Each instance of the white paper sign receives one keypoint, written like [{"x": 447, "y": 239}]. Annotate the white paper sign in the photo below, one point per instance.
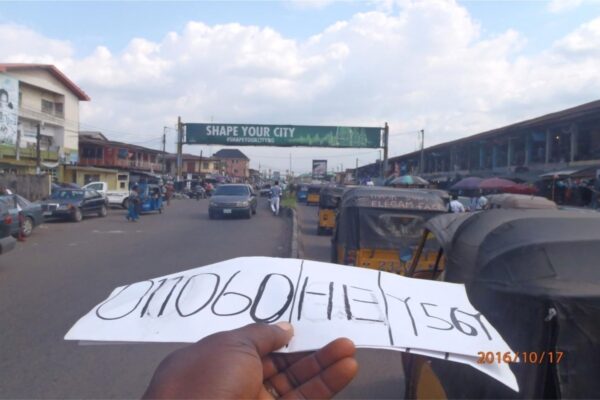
[{"x": 322, "y": 301}]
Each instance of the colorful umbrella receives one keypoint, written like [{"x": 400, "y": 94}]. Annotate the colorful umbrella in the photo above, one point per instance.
[
  {"x": 521, "y": 188},
  {"x": 408, "y": 180},
  {"x": 495, "y": 184},
  {"x": 469, "y": 183}
]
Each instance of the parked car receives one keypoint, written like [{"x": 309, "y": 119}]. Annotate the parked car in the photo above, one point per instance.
[
  {"x": 74, "y": 204},
  {"x": 7, "y": 242},
  {"x": 232, "y": 199},
  {"x": 31, "y": 212},
  {"x": 115, "y": 198}
]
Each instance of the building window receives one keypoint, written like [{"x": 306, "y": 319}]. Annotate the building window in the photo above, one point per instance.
[
  {"x": 235, "y": 171},
  {"x": 47, "y": 106},
  {"x": 59, "y": 109},
  {"x": 205, "y": 164}
]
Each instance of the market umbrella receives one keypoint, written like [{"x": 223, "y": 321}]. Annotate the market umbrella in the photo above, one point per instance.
[
  {"x": 469, "y": 183},
  {"x": 521, "y": 188},
  {"x": 496, "y": 184},
  {"x": 408, "y": 180}
]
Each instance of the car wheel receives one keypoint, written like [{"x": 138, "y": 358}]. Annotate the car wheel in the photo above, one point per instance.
[
  {"x": 77, "y": 215},
  {"x": 27, "y": 227},
  {"x": 103, "y": 211},
  {"x": 211, "y": 215},
  {"x": 125, "y": 204}
]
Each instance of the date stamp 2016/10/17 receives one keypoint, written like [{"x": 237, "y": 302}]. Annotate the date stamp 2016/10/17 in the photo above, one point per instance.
[{"x": 527, "y": 357}]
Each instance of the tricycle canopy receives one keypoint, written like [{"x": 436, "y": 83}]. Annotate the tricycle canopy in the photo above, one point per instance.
[
  {"x": 330, "y": 196},
  {"x": 535, "y": 275},
  {"x": 385, "y": 218}
]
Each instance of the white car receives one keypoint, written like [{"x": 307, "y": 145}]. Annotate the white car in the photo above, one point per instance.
[{"x": 115, "y": 198}]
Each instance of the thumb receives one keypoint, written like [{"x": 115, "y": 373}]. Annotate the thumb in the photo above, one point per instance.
[{"x": 266, "y": 338}]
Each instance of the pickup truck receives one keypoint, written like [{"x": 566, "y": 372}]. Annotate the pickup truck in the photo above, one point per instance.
[{"x": 114, "y": 197}]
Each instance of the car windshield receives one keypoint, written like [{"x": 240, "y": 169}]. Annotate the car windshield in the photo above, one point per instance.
[
  {"x": 67, "y": 194},
  {"x": 231, "y": 191}
]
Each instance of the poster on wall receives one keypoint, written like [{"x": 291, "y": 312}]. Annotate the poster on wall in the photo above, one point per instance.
[
  {"x": 9, "y": 109},
  {"x": 319, "y": 169}
]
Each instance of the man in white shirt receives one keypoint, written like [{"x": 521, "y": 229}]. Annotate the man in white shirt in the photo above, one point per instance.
[
  {"x": 275, "y": 197},
  {"x": 482, "y": 201},
  {"x": 456, "y": 206}
]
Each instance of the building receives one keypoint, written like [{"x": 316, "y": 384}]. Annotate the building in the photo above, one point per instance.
[
  {"x": 235, "y": 164},
  {"x": 95, "y": 150},
  {"x": 39, "y": 109},
  {"x": 198, "y": 167},
  {"x": 566, "y": 141}
]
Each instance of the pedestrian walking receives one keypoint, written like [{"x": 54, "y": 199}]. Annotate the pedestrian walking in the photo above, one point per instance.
[
  {"x": 456, "y": 206},
  {"x": 169, "y": 193},
  {"x": 132, "y": 204},
  {"x": 275, "y": 197}
]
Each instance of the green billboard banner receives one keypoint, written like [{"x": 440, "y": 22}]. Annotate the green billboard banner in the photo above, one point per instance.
[{"x": 281, "y": 135}]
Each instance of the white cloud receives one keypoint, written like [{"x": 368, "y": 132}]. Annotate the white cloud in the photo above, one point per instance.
[
  {"x": 558, "y": 6},
  {"x": 425, "y": 65}
]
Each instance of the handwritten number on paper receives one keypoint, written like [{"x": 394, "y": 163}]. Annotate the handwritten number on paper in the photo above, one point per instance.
[
  {"x": 260, "y": 293},
  {"x": 223, "y": 294},
  {"x": 207, "y": 302}
]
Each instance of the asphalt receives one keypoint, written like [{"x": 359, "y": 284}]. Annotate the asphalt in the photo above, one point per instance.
[
  {"x": 64, "y": 269},
  {"x": 381, "y": 373}
]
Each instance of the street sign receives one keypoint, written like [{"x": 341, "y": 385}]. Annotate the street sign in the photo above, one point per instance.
[{"x": 282, "y": 135}]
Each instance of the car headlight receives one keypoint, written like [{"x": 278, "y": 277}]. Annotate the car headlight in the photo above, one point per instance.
[
  {"x": 212, "y": 204},
  {"x": 242, "y": 204},
  {"x": 64, "y": 206}
]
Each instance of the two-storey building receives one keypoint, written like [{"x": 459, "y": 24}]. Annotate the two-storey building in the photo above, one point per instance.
[
  {"x": 39, "y": 118},
  {"x": 96, "y": 151},
  {"x": 236, "y": 165},
  {"x": 196, "y": 166}
]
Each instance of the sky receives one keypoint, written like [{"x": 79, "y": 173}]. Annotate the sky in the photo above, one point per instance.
[{"x": 452, "y": 68}]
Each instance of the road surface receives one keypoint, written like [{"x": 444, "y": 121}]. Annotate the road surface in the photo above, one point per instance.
[{"x": 65, "y": 269}]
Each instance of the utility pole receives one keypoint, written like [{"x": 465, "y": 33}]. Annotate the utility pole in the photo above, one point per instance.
[
  {"x": 179, "y": 149},
  {"x": 164, "y": 151},
  {"x": 422, "y": 162},
  {"x": 200, "y": 169},
  {"x": 356, "y": 171},
  {"x": 386, "y": 135},
  {"x": 38, "y": 154},
  {"x": 291, "y": 174},
  {"x": 18, "y": 143}
]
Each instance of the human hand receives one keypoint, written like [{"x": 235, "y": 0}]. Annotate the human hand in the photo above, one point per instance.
[{"x": 241, "y": 364}]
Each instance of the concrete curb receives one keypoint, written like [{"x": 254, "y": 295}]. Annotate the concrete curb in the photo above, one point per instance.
[{"x": 295, "y": 234}]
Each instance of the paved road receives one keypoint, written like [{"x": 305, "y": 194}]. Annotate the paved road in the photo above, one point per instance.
[
  {"x": 381, "y": 375},
  {"x": 65, "y": 269}
]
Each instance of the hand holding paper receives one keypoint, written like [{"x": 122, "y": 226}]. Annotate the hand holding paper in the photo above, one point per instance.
[
  {"x": 239, "y": 364},
  {"x": 323, "y": 301}
]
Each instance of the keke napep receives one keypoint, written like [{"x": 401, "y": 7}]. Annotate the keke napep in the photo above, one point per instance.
[
  {"x": 379, "y": 227},
  {"x": 534, "y": 275},
  {"x": 329, "y": 200}
]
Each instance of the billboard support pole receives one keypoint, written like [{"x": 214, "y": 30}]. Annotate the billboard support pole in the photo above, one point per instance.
[
  {"x": 386, "y": 134},
  {"x": 179, "y": 149}
]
